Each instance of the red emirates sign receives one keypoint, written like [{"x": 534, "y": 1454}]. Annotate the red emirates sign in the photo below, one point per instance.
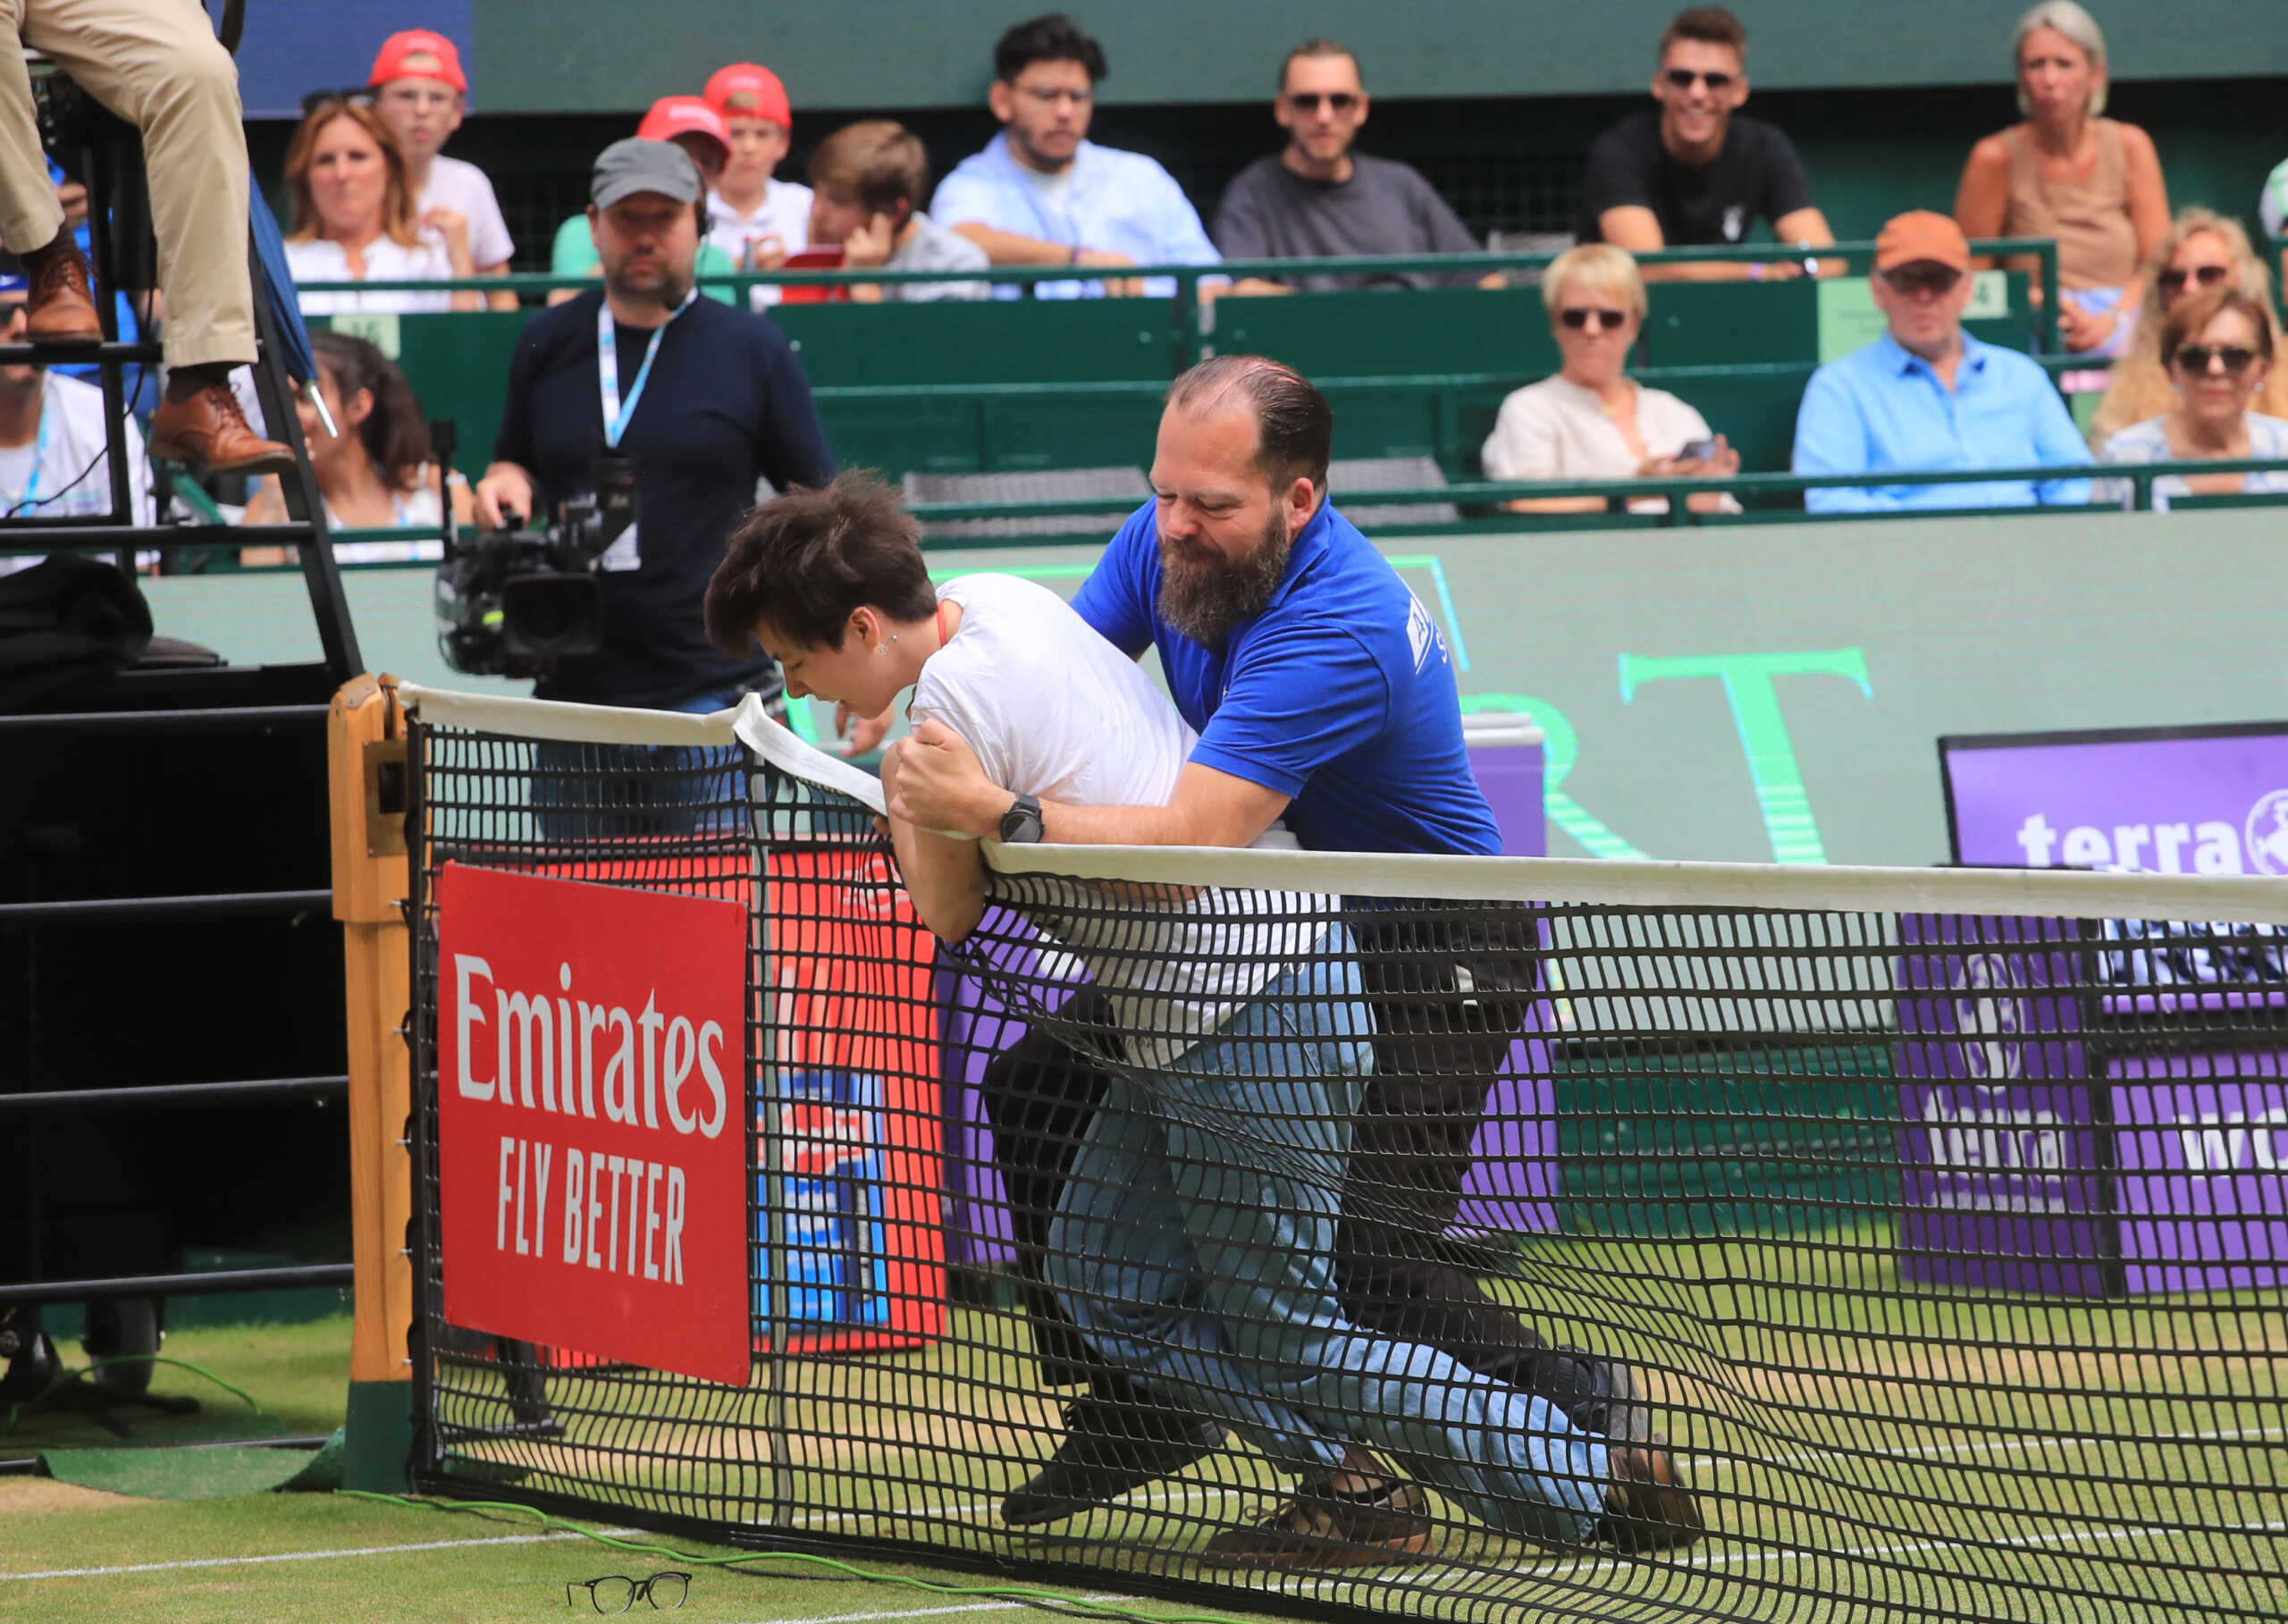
[{"x": 591, "y": 1119}]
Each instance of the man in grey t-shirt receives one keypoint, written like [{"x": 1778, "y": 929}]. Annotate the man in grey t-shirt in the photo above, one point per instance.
[
  {"x": 1318, "y": 198},
  {"x": 868, "y": 180}
]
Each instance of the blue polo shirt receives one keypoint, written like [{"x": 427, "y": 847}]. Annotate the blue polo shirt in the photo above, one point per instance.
[
  {"x": 1339, "y": 694},
  {"x": 1882, "y": 406}
]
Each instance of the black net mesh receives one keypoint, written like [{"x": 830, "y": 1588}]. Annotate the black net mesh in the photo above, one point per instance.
[{"x": 1313, "y": 1253}]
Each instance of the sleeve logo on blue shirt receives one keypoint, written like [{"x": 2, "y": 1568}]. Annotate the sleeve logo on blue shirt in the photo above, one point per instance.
[{"x": 1423, "y": 633}]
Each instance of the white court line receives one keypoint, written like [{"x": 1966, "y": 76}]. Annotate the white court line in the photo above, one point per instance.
[
  {"x": 1716, "y": 1463},
  {"x": 301, "y": 1556},
  {"x": 933, "y": 1613}
]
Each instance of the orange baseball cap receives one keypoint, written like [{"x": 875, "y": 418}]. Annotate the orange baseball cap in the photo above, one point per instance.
[
  {"x": 417, "y": 42},
  {"x": 1921, "y": 235},
  {"x": 674, "y": 115},
  {"x": 750, "y": 79}
]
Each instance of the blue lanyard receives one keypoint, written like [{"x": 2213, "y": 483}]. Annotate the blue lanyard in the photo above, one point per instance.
[
  {"x": 28, "y": 497},
  {"x": 617, "y": 412}
]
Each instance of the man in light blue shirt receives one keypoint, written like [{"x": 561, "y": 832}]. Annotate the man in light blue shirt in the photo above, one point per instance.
[
  {"x": 1927, "y": 395},
  {"x": 1042, "y": 194}
]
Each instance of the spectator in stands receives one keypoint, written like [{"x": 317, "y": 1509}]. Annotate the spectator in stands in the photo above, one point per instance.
[
  {"x": 2219, "y": 345},
  {"x": 1695, "y": 172},
  {"x": 757, "y": 219},
  {"x": 1041, "y": 193},
  {"x": 376, "y": 473},
  {"x": 687, "y": 121},
  {"x": 1926, "y": 395},
  {"x": 870, "y": 178},
  {"x": 1592, "y": 421},
  {"x": 2203, "y": 249},
  {"x": 420, "y": 90},
  {"x": 353, "y": 217},
  {"x": 54, "y": 455},
  {"x": 1318, "y": 198},
  {"x": 2092, "y": 183}
]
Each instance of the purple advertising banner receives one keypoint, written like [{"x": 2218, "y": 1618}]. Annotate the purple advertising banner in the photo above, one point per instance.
[
  {"x": 2201, "y": 802},
  {"x": 2203, "y": 1151},
  {"x": 2002, "y": 1186}
]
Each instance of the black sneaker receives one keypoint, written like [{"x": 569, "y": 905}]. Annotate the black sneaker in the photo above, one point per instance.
[
  {"x": 1108, "y": 1450},
  {"x": 1648, "y": 1504}
]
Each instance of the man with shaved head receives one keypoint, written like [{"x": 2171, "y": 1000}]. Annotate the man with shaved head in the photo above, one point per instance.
[{"x": 1323, "y": 697}]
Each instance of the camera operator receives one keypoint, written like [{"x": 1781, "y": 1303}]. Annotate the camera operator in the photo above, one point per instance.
[{"x": 700, "y": 396}]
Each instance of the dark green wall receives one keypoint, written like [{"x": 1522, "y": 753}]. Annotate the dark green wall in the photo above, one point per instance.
[{"x": 588, "y": 56}]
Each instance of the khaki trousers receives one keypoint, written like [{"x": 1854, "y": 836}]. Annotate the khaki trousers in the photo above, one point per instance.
[{"x": 158, "y": 64}]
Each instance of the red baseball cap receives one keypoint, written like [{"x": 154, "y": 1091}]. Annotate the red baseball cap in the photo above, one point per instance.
[
  {"x": 750, "y": 79},
  {"x": 415, "y": 42},
  {"x": 674, "y": 115}
]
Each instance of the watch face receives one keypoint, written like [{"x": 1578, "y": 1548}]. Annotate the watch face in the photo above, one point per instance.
[{"x": 1021, "y": 823}]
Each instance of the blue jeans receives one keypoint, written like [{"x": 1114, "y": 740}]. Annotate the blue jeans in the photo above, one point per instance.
[
  {"x": 1194, "y": 1247},
  {"x": 614, "y": 791}
]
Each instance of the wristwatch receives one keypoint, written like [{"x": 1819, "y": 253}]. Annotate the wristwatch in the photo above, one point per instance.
[{"x": 1021, "y": 824}]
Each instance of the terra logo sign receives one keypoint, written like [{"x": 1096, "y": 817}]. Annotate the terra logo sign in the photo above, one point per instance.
[{"x": 2267, "y": 833}]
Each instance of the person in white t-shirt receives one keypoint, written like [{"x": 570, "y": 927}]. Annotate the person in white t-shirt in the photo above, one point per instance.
[
  {"x": 54, "y": 461},
  {"x": 421, "y": 94},
  {"x": 353, "y": 218},
  {"x": 1193, "y": 1241},
  {"x": 758, "y": 220}
]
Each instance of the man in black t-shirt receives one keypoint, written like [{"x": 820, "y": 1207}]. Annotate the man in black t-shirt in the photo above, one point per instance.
[
  {"x": 705, "y": 398},
  {"x": 1320, "y": 199},
  {"x": 1693, "y": 172}
]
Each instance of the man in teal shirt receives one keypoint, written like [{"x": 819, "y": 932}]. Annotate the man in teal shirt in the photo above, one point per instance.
[{"x": 1928, "y": 396}]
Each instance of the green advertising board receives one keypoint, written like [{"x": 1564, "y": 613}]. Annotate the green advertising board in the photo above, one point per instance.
[{"x": 1755, "y": 694}]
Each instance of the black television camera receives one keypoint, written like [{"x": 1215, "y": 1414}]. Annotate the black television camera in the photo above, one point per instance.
[{"x": 513, "y": 602}]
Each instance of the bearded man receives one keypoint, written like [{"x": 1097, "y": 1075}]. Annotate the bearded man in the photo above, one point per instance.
[{"x": 1322, "y": 696}]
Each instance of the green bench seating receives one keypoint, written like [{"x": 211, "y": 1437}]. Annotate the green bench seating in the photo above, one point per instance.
[{"x": 1007, "y": 386}]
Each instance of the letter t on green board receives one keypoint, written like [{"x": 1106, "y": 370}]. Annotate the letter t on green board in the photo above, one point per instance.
[{"x": 1747, "y": 680}]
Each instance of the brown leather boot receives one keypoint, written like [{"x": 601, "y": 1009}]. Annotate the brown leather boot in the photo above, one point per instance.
[
  {"x": 208, "y": 433},
  {"x": 61, "y": 307}
]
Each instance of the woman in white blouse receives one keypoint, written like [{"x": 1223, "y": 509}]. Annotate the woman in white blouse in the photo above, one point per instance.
[
  {"x": 1592, "y": 421},
  {"x": 353, "y": 217},
  {"x": 2218, "y": 347}
]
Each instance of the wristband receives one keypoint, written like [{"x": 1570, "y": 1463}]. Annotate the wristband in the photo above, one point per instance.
[
  {"x": 1075, "y": 258},
  {"x": 1755, "y": 271}
]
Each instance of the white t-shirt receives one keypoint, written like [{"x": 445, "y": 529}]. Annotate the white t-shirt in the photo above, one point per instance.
[
  {"x": 386, "y": 260},
  {"x": 1556, "y": 429},
  {"x": 1053, "y": 710},
  {"x": 416, "y": 509},
  {"x": 464, "y": 188},
  {"x": 783, "y": 217},
  {"x": 72, "y": 415}
]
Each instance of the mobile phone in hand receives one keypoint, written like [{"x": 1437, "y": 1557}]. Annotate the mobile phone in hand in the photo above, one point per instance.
[{"x": 1697, "y": 450}]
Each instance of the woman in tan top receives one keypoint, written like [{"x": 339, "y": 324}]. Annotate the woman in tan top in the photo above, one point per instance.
[
  {"x": 2204, "y": 250},
  {"x": 2092, "y": 183}
]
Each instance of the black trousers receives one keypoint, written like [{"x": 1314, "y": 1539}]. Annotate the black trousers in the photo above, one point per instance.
[{"x": 1449, "y": 986}]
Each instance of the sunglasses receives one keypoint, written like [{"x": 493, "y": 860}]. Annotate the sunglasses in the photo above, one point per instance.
[
  {"x": 2199, "y": 357},
  {"x": 317, "y": 99},
  {"x": 1308, "y": 101},
  {"x": 2208, "y": 276},
  {"x": 1580, "y": 315},
  {"x": 1923, "y": 279},
  {"x": 1683, "y": 79}
]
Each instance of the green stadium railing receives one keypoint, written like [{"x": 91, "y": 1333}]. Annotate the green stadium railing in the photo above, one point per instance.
[{"x": 1003, "y": 384}]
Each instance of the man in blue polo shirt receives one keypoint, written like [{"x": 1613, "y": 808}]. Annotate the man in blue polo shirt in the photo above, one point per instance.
[
  {"x": 1926, "y": 395},
  {"x": 1323, "y": 696}
]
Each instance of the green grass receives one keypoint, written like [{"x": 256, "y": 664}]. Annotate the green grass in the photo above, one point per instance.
[{"x": 1867, "y": 1449}]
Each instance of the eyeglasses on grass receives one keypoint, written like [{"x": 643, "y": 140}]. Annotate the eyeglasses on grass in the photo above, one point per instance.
[{"x": 617, "y": 1592}]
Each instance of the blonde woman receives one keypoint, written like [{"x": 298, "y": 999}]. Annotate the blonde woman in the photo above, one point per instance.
[
  {"x": 2218, "y": 347},
  {"x": 2203, "y": 249},
  {"x": 353, "y": 217},
  {"x": 2091, "y": 183},
  {"x": 1593, "y": 421}
]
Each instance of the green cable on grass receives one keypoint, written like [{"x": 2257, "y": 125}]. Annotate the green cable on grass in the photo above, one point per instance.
[
  {"x": 1049, "y": 1599},
  {"x": 65, "y": 1377}
]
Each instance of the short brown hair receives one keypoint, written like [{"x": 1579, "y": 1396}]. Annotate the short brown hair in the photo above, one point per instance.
[
  {"x": 1708, "y": 24},
  {"x": 803, "y": 562},
  {"x": 880, "y": 162},
  {"x": 1317, "y": 47},
  {"x": 2188, "y": 317},
  {"x": 1294, "y": 419}
]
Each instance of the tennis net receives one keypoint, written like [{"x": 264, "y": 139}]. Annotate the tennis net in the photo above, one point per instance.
[{"x": 1450, "y": 1237}]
